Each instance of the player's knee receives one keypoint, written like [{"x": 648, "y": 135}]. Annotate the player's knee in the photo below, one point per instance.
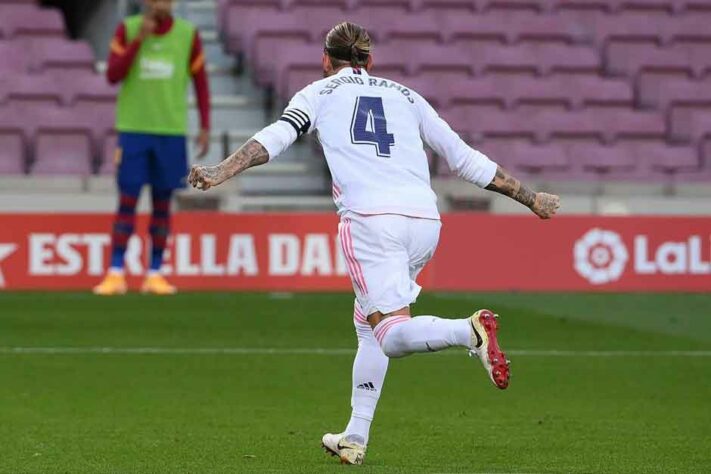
[
  {"x": 392, "y": 344},
  {"x": 391, "y": 348}
]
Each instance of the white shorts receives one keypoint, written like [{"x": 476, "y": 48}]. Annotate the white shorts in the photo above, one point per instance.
[{"x": 384, "y": 254}]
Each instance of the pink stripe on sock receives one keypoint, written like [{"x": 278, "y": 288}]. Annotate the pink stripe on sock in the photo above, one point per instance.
[
  {"x": 382, "y": 329},
  {"x": 349, "y": 262},
  {"x": 359, "y": 317}
]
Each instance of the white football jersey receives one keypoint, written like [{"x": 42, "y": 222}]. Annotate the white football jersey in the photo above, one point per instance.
[{"x": 372, "y": 131}]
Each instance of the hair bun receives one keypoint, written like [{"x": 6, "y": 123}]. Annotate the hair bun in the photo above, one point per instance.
[{"x": 355, "y": 55}]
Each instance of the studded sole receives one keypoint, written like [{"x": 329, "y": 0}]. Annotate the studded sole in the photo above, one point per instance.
[{"x": 499, "y": 367}]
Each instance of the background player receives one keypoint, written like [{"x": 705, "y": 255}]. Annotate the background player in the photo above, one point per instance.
[
  {"x": 153, "y": 55},
  {"x": 372, "y": 132}
]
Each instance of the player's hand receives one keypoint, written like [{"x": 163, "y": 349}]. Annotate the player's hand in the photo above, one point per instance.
[
  {"x": 546, "y": 205},
  {"x": 205, "y": 177},
  {"x": 202, "y": 142},
  {"x": 148, "y": 26}
]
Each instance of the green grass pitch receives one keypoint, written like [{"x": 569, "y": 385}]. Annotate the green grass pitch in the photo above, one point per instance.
[{"x": 585, "y": 409}]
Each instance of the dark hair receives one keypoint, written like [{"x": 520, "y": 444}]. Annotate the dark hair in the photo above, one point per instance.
[{"x": 348, "y": 44}]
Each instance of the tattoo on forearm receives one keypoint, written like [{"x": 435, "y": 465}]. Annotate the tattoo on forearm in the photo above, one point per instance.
[
  {"x": 250, "y": 154},
  {"x": 507, "y": 185}
]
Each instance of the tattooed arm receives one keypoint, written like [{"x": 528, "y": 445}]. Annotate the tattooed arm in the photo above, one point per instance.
[
  {"x": 542, "y": 204},
  {"x": 251, "y": 154}
]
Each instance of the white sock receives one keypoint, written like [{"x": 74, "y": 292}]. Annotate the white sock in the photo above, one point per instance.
[
  {"x": 369, "y": 369},
  {"x": 402, "y": 335}
]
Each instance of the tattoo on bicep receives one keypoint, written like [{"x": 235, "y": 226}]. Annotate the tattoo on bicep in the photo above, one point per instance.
[{"x": 507, "y": 185}]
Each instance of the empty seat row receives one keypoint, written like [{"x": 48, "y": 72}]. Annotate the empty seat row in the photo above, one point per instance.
[
  {"x": 38, "y": 53},
  {"x": 273, "y": 66},
  {"x": 55, "y": 140},
  {"x": 245, "y": 25},
  {"x": 606, "y": 125},
  {"x": 401, "y": 6},
  {"x": 67, "y": 88},
  {"x": 644, "y": 160},
  {"x": 629, "y": 59},
  {"x": 56, "y": 154},
  {"x": 26, "y": 18},
  {"x": 569, "y": 91},
  {"x": 682, "y": 124}
]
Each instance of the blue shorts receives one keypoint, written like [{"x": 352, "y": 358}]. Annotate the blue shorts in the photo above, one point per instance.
[{"x": 160, "y": 161}]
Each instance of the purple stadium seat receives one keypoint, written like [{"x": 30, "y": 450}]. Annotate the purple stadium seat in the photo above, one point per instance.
[
  {"x": 458, "y": 6},
  {"x": 688, "y": 123},
  {"x": 51, "y": 53},
  {"x": 298, "y": 4},
  {"x": 630, "y": 59},
  {"x": 107, "y": 166},
  {"x": 80, "y": 85},
  {"x": 531, "y": 159},
  {"x": 521, "y": 5},
  {"x": 43, "y": 88},
  {"x": 414, "y": 28},
  {"x": 13, "y": 58},
  {"x": 239, "y": 21},
  {"x": 97, "y": 117},
  {"x": 538, "y": 58},
  {"x": 647, "y": 5},
  {"x": 12, "y": 152},
  {"x": 666, "y": 159},
  {"x": 510, "y": 27},
  {"x": 385, "y": 7},
  {"x": 29, "y": 19},
  {"x": 601, "y": 160},
  {"x": 605, "y": 124},
  {"x": 570, "y": 91},
  {"x": 674, "y": 92},
  {"x": 694, "y": 6},
  {"x": 60, "y": 152}
]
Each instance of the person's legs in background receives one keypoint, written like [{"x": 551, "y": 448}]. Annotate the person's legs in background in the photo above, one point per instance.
[
  {"x": 159, "y": 229},
  {"x": 132, "y": 158},
  {"x": 167, "y": 172}
]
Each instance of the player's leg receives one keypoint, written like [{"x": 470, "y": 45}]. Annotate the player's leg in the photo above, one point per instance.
[
  {"x": 401, "y": 335},
  {"x": 168, "y": 168},
  {"x": 132, "y": 174},
  {"x": 369, "y": 369}
]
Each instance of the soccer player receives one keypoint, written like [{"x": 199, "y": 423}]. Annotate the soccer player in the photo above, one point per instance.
[
  {"x": 372, "y": 131},
  {"x": 154, "y": 56}
]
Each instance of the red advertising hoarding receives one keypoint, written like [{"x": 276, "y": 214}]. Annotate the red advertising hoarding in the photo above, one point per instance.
[{"x": 300, "y": 252}]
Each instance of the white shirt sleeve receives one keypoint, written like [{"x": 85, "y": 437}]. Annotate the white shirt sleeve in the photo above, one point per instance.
[
  {"x": 466, "y": 162},
  {"x": 298, "y": 118}
]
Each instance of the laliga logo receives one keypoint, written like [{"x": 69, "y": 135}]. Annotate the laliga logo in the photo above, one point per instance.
[{"x": 600, "y": 256}]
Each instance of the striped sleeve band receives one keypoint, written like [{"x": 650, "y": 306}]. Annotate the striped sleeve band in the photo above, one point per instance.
[{"x": 297, "y": 119}]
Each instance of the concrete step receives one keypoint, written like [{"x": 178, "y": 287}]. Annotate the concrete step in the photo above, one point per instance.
[
  {"x": 277, "y": 203},
  {"x": 276, "y": 185},
  {"x": 201, "y": 13}
]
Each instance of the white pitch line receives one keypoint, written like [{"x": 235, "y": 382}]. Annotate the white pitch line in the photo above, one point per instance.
[{"x": 323, "y": 351}]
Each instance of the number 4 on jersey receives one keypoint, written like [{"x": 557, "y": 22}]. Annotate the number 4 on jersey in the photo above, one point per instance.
[{"x": 369, "y": 126}]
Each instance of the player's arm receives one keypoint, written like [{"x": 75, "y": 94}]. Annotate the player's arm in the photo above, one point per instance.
[
  {"x": 198, "y": 71},
  {"x": 262, "y": 147},
  {"x": 544, "y": 205},
  {"x": 250, "y": 154},
  {"x": 122, "y": 53},
  {"x": 477, "y": 168}
]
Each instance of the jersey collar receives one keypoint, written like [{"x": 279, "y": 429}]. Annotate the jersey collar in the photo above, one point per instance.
[{"x": 351, "y": 71}]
